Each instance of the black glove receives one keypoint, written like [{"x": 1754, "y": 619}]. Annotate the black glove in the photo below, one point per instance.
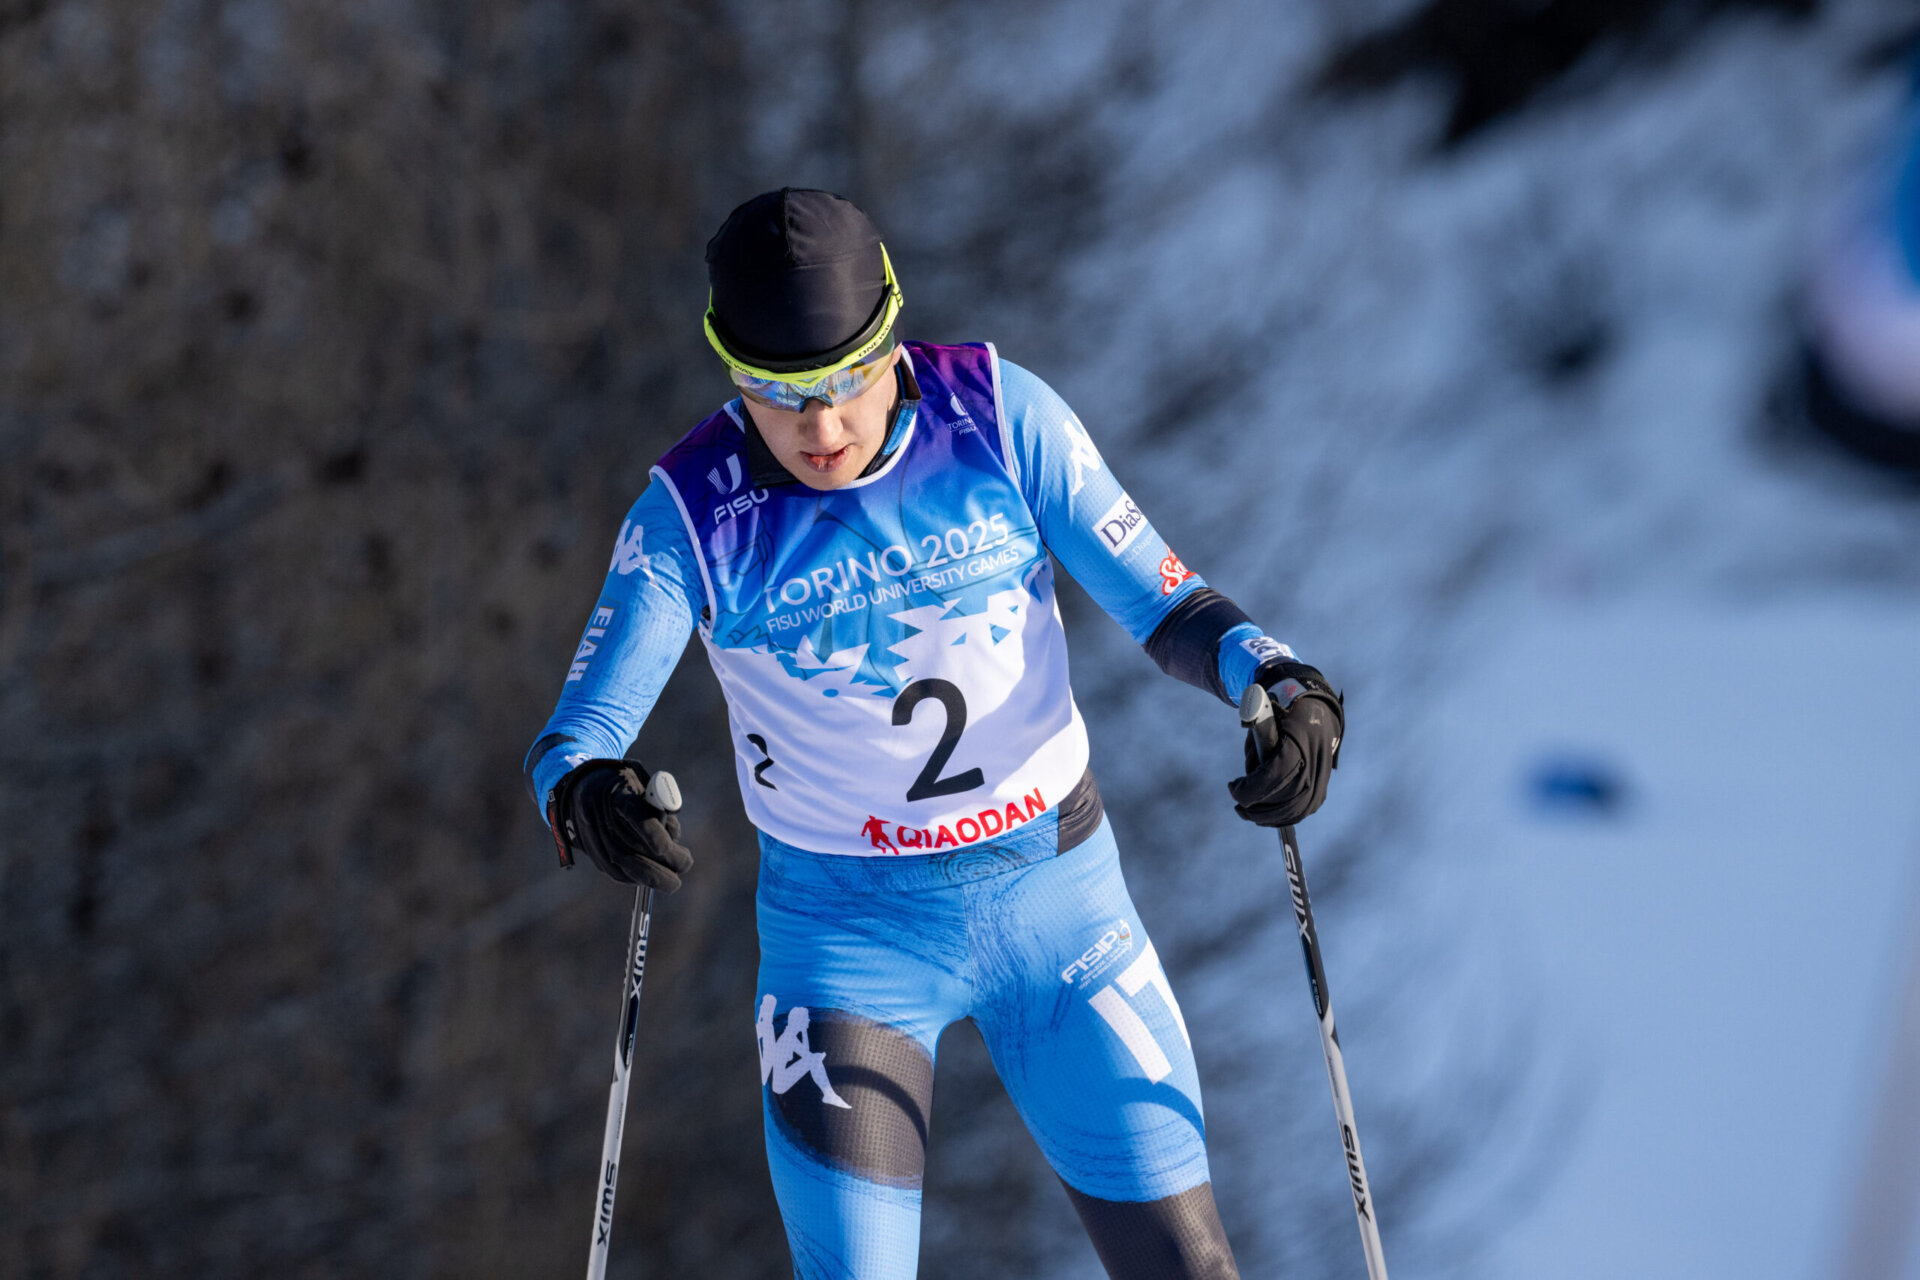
[
  {"x": 1291, "y": 782},
  {"x": 600, "y": 809}
]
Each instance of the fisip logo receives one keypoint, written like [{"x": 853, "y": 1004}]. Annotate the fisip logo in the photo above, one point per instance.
[
  {"x": 1098, "y": 958},
  {"x": 1120, "y": 525}
]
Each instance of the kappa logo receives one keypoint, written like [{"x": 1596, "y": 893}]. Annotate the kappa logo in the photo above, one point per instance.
[
  {"x": 1084, "y": 456},
  {"x": 1121, "y": 524},
  {"x": 734, "y": 477},
  {"x": 787, "y": 1057},
  {"x": 628, "y": 556}
]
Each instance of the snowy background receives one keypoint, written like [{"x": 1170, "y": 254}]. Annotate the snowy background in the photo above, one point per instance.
[{"x": 1450, "y": 340}]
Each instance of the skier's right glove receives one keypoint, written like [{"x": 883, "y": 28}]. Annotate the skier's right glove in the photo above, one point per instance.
[
  {"x": 600, "y": 809},
  {"x": 1291, "y": 782}
]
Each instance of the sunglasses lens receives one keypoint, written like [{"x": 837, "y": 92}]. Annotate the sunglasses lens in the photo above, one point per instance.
[{"x": 835, "y": 389}]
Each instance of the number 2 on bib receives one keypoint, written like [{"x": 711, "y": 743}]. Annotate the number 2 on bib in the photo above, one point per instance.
[{"x": 930, "y": 784}]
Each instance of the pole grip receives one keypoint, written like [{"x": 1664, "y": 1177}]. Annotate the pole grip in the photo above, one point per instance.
[
  {"x": 663, "y": 793},
  {"x": 1256, "y": 716}
]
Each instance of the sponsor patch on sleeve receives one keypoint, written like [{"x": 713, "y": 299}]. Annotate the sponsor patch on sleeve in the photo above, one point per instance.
[
  {"x": 1265, "y": 647},
  {"x": 1120, "y": 525},
  {"x": 1172, "y": 574}
]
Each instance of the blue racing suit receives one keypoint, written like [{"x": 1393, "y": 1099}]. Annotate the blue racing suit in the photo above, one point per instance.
[{"x": 932, "y": 843}]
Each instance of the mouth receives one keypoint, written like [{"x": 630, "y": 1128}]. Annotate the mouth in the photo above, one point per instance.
[{"x": 826, "y": 462}]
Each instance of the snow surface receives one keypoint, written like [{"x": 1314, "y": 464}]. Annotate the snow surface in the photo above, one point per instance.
[{"x": 1719, "y": 952}]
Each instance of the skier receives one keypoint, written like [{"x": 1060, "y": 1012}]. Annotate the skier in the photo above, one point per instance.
[{"x": 861, "y": 541}]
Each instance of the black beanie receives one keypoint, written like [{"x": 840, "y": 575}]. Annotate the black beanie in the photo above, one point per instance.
[{"x": 798, "y": 279}]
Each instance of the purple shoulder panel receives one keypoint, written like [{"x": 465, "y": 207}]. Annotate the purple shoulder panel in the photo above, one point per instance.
[
  {"x": 956, "y": 387},
  {"x": 717, "y": 436}
]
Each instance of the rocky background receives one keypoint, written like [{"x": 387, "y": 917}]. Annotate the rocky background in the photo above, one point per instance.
[{"x": 334, "y": 342}]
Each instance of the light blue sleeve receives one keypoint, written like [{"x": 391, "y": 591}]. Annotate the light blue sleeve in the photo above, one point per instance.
[
  {"x": 633, "y": 640},
  {"x": 1100, "y": 534}
]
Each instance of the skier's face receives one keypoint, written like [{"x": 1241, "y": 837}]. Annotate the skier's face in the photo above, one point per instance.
[{"x": 828, "y": 446}]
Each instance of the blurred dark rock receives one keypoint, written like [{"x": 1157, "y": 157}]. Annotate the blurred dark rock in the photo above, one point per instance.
[{"x": 1499, "y": 55}]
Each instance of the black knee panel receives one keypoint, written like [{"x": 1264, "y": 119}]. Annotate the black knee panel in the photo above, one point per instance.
[
  {"x": 881, "y": 1075},
  {"x": 1177, "y": 1237}
]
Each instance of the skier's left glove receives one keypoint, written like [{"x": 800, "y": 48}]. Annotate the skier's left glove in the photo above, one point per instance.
[
  {"x": 1292, "y": 781},
  {"x": 600, "y": 809}
]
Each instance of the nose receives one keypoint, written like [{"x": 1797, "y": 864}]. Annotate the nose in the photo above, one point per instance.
[{"x": 819, "y": 426}]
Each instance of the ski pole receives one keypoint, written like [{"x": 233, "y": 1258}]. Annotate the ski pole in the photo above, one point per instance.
[
  {"x": 1256, "y": 714},
  {"x": 663, "y": 793}
]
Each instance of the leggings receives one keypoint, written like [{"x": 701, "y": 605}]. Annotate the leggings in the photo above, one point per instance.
[{"x": 865, "y": 961}]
